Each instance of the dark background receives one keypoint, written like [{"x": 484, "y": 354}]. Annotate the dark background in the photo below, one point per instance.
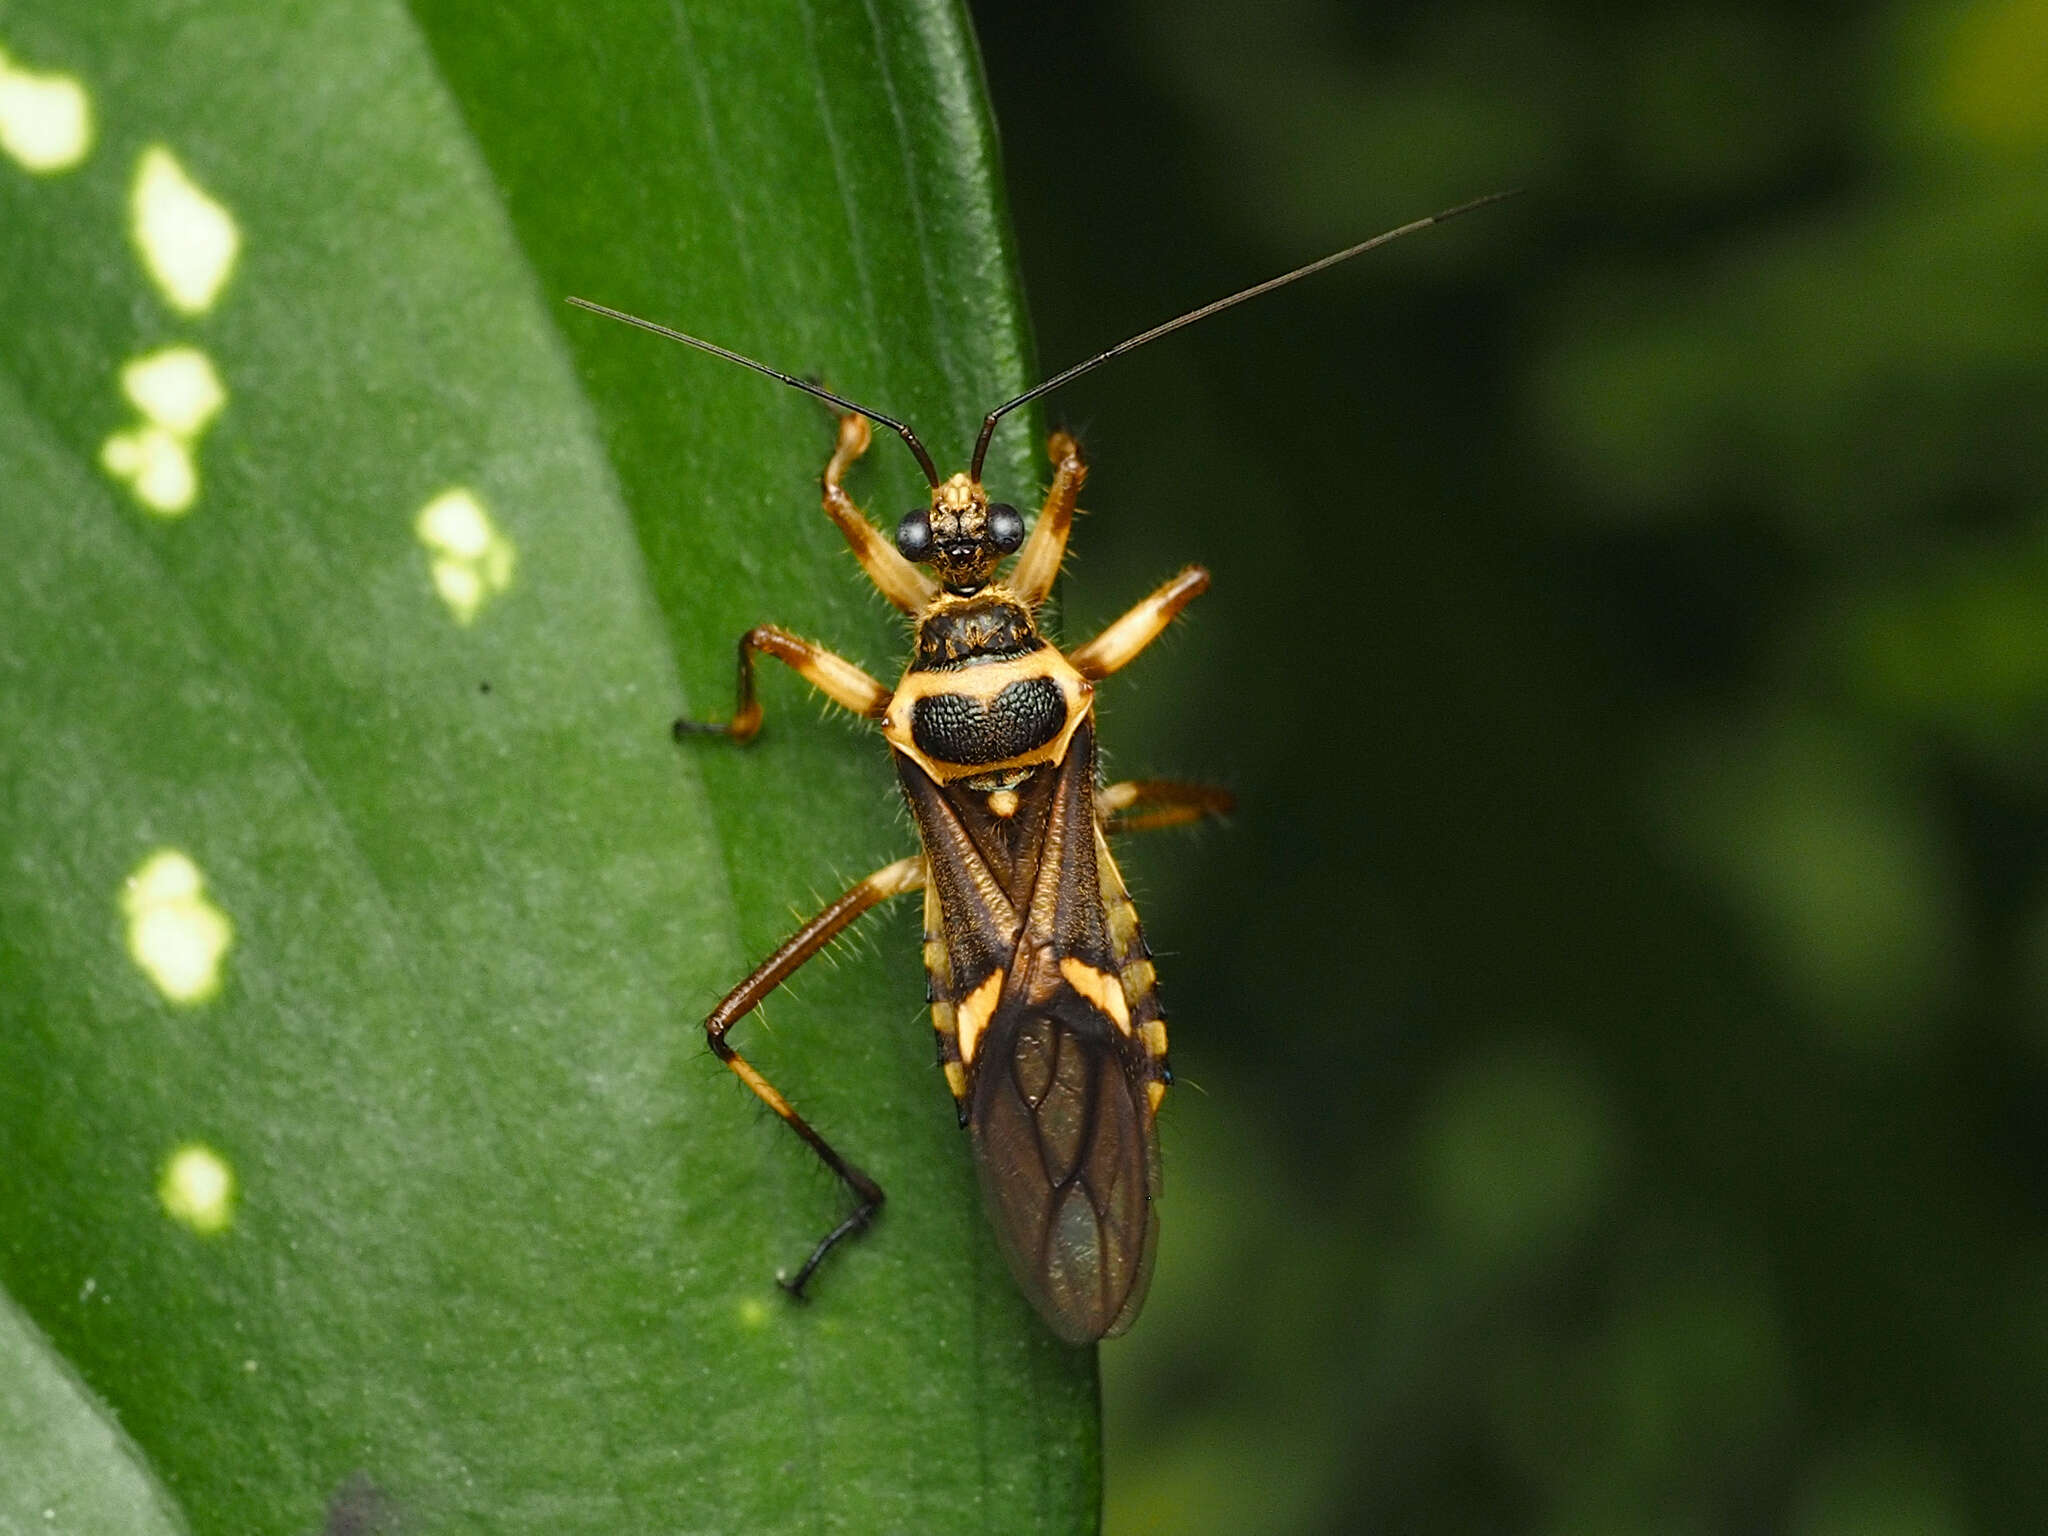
[{"x": 1613, "y": 1030}]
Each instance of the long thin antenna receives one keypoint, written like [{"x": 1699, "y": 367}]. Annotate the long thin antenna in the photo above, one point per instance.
[
  {"x": 988, "y": 425},
  {"x": 901, "y": 429}
]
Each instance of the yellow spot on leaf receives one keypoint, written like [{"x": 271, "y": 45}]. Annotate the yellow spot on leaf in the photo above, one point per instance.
[
  {"x": 176, "y": 388},
  {"x": 188, "y": 241},
  {"x": 471, "y": 560},
  {"x": 175, "y": 934},
  {"x": 753, "y": 1313},
  {"x": 45, "y": 119},
  {"x": 178, "y": 393},
  {"x": 197, "y": 1189},
  {"x": 157, "y": 467}
]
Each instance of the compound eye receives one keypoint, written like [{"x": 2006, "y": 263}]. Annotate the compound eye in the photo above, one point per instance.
[
  {"x": 914, "y": 535},
  {"x": 1005, "y": 528}
]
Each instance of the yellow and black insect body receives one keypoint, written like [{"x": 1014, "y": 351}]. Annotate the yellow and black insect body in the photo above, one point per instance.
[
  {"x": 1049, "y": 1026},
  {"x": 1042, "y": 990}
]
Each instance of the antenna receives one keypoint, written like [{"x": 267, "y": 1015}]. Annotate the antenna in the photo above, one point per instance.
[
  {"x": 988, "y": 425},
  {"x": 899, "y": 428}
]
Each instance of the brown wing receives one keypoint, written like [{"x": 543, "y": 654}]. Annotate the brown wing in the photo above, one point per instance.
[
  {"x": 1069, "y": 1164},
  {"x": 1053, "y": 1088}
]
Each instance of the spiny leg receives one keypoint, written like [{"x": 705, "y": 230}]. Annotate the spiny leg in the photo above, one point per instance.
[
  {"x": 895, "y": 577},
  {"x": 1038, "y": 563},
  {"x": 832, "y": 675},
  {"x": 896, "y": 879},
  {"x": 1117, "y": 645},
  {"x": 1139, "y": 805}
]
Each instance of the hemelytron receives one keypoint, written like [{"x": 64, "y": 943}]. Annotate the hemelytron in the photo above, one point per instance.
[{"x": 1043, "y": 996}]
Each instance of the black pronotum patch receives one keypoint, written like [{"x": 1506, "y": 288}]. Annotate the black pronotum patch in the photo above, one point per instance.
[{"x": 959, "y": 728}]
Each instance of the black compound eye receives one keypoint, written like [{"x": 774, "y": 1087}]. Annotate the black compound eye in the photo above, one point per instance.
[
  {"x": 1005, "y": 528},
  {"x": 914, "y": 535}
]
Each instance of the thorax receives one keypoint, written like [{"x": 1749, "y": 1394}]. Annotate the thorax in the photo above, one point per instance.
[{"x": 986, "y": 697}]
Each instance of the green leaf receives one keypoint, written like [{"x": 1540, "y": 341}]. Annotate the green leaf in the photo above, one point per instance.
[
  {"x": 67, "y": 1467},
  {"x": 356, "y": 910}
]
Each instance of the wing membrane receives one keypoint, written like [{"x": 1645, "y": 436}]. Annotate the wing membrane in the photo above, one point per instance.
[{"x": 1068, "y": 1164}]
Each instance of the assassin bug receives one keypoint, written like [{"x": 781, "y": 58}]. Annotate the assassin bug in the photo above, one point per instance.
[{"x": 1041, "y": 988}]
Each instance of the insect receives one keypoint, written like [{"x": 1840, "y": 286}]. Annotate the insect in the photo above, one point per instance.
[{"x": 1042, "y": 990}]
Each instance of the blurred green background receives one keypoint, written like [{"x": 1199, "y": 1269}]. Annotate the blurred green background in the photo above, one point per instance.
[{"x": 1614, "y": 1028}]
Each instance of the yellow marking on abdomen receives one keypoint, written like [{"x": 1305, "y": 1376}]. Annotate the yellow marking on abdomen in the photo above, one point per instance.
[
  {"x": 1139, "y": 979},
  {"x": 976, "y": 1010},
  {"x": 1155, "y": 1037},
  {"x": 1154, "y": 1092},
  {"x": 1100, "y": 988},
  {"x": 1123, "y": 922}
]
